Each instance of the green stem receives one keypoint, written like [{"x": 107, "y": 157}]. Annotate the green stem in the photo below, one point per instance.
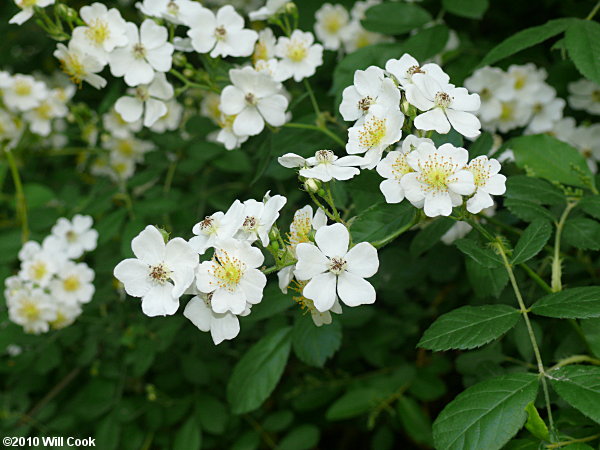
[
  {"x": 313, "y": 99},
  {"x": 574, "y": 360},
  {"x": 524, "y": 311},
  {"x": 324, "y": 130},
  {"x": 272, "y": 269},
  {"x": 556, "y": 260},
  {"x": 21, "y": 203},
  {"x": 535, "y": 277},
  {"x": 573, "y": 441},
  {"x": 593, "y": 12},
  {"x": 320, "y": 205},
  {"x": 330, "y": 201},
  {"x": 386, "y": 240},
  {"x": 187, "y": 82}
]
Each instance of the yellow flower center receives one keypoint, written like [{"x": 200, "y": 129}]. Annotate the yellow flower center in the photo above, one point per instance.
[
  {"x": 260, "y": 52},
  {"x": 71, "y": 284},
  {"x": 332, "y": 24},
  {"x": 44, "y": 111},
  {"x": 27, "y": 3},
  {"x": 520, "y": 81},
  {"x": 30, "y": 311},
  {"x": 442, "y": 100},
  {"x": 400, "y": 167},
  {"x": 38, "y": 270},
  {"x": 296, "y": 51},
  {"x": 98, "y": 32},
  {"x": 508, "y": 111},
  {"x": 125, "y": 148},
  {"x": 22, "y": 88},
  {"x": 596, "y": 96},
  {"x": 480, "y": 171},
  {"x": 305, "y": 303},
  {"x": 363, "y": 39},
  {"x": 227, "y": 270},
  {"x": 71, "y": 236},
  {"x": 300, "y": 228},
  {"x": 160, "y": 273},
  {"x": 437, "y": 172},
  {"x": 373, "y": 132},
  {"x": 61, "y": 321},
  {"x": 72, "y": 66}
]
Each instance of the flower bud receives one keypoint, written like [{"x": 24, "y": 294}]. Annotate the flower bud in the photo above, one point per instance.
[
  {"x": 179, "y": 59},
  {"x": 312, "y": 185},
  {"x": 188, "y": 73},
  {"x": 65, "y": 12},
  {"x": 165, "y": 234},
  {"x": 291, "y": 8},
  {"x": 274, "y": 235}
]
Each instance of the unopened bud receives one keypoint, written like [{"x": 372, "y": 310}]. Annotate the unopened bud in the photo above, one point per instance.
[
  {"x": 312, "y": 185},
  {"x": 274, "y": 235},
  {"x": 66, "y": 12},
  {"x": 165, "y": 234},
  {"x": 179, "y": 59},
  {"x": 321, "y": 192},
  {"x": 291, "y": 8},
  {"x": 188, "y": 73}
]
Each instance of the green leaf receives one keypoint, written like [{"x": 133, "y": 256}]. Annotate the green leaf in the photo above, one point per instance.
[
  {"x": 303, "y": 437},
  {"x": 525, "y": 39},
  {"x": 211, "y": 413},
  {"x": 484, "y": 256},
  {"x": 574, "y": 303},
  {"x": 482, "y": 145},
  {"x": 473, "y": 9},
  {"x": 189, "y": 436},
  {"x": 583, "y": 44},
  {"x": 414, "y": 421},
  {"x": 381, "y": 220},
  {"x": 527, "y": 210},
  {"x": 469, "y": 327},
  {"x": 314, "y": 345},
  {"x": 522, "y": 187},
  {"x": 591, "y": 330},
  {"x": 486, "y": 415},
  {"x": 582, "y": 233},
  {"x": 486, "y": 282},
  {"x": 109, "y": 226},
  {"x": 579, "y": 386},
  {"x": 546, "y": 157},
  {"x": 395, "y": 18},
  {"x": 425, "y": 44},
  {"x": 591, "y": 205},
  {"x": 532, "y": 241},
  {"x": 107, "y": 433},
  {"x": 535, "y": 424},
  {"x": 37, "y": 195},
  {"x": 255, "y": 375},
  {"x": 430, "y": 235}
]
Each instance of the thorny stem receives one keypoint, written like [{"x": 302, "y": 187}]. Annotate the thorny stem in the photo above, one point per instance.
[
  {"x": 20, "y": 201},
  {"x": 329, "y": 200},
  {"x": 524, "y": 311},
  {"x": 556, "y": 260},
  {"x": 320, "y": 205},
  {"x": 322, "y": 129}
]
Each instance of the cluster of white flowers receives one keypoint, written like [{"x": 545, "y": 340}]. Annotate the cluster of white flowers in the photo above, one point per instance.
[
  {"x": 339, "y": 29},
  {"x": 231, "y": 281},
  {"x": 585, "y": 96},
  {"x": 52, "y": 286},
  {"x": 585, "y": 137},
  {"x": 27, "y": 101},
  {"x": 26, "y": 7},
  {"x": 516, "y": 98}
]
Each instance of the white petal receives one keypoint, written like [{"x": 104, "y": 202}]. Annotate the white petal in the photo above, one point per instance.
[
  {"x": 158, "y": 301},
  {"x": 333, "y": 240},
  {"x": 465, "y": 123},
  {"x": 248, "y": 123},
  {"x": 321, "y": 290},
  {"x": 223, "y": 301},
  {"x": 155, "y": 109},
  {"x": 252, "y": 283},
  {"x": 149, "y": 246},
  {"x": 362, "y": 260},
  {"x": 224, "y": 327},
  {"x": 133, "y": 273},
  {"x": 200, "y": 314},
  {"x": 273, "y": 109},
  {"x": 434, "y": 119},
  {"x": 311, "y": 261},
  {"x": 129, "y": 108},
  {"x": 392, "y": 191},
  {"x": 354, "y": 290}
]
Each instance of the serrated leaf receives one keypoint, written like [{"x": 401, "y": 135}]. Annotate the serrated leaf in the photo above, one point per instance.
[
  {"x": 486, "y": 282},
  {"x": 469, "y": 327},
  {"x": 574, "y": 303},
  {"x": 582, "y": 40},
  {"x": 535, "y": 424},
  {"x": 582, "y": 233},
  {"x": 591, "y": 205},
  {"x": 522, "y": 187},
  {"x": 525, "y": 39},
  {"x": 314, "y": 345},
  {"x": 527, "y": 210},
  {"x": 532, "y": 241},
  {"x": 486, "y": 415},
  {"x": 255, "y": 375},
  {"x": 579, "y": 386},
  {"x": 395, "y": 18},
  {"x": 381, "y": 220},
  {"x": 547, "y": 157},
  {"x": 472, "y": 9},
  {"x": 484, "y": 256}
]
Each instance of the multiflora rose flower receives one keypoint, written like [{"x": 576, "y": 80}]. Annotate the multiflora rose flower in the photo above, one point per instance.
[
  {"x": 334, "y": 270},
  {"x": 217, "y": 226},
  {"x": 160, "y": 273},
  {"x": 488, "y": 181},
  {"x": 77, "y": 236},
  {"x": 324, "y": 166},
  {"x": 299, "y": 56},
  {"x": 147, "y": 101}
]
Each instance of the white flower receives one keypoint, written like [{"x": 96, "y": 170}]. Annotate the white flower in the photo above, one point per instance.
[
  {"x": 73, "y": 284},
  {"x": 264, "y": 50},
  {"x": 227, "y": 135},
  {"x": 254, "y": 98},
  {"x": 222, "y": 326},
  {"x": 175, "y": 11},
  {"x": 40, "y": 263},
  {"x": 271, "y": 8},
  {"x": 66, "y": 313},
  {"x": 564, "y": 129},
  {"x": 77, "y": 236},
  {"x": 24, "y": 93},
  {"x": 587, "y": 140},
  {"x": 8, "y": 127},
  {"x": 404, "y": 68},
  {"x": 332, "y": 269},
  {"x": 171, "y": 119},
  {"x": 354, "y": 37},
  {"x": 330, "y": 21},
  {"x": 486, "y": 82},
  {"x": 439, "y": 179},
  {"x": 209, "y": 107},
  {"x": 148, "y": 100},
  {"x": 104, "y": 31},
  {"x": 445, "y": 105},
  {"x": 488, "y": 182},
  {"x": 80, "y": 66},
  {"x": 394, "y": 166},
  {"x": 160, "y": 273},
  {"x": 232, "y": 276},
  {"x": 380, "y": 129},
  {"x": 147, "y": 51},
  {"x": 585, "y": 95},
  {"x": 27, "y": 9},
  {"x": 259, "y": 218},
  {"x": 359, "y": 9},
  {"x": 546, "y": 111},
  {"x": 222, "y": 34},
  {"x": 300, "y": 56},
  {"x": 217, "y": 227},
  {"x": 128, "y": 148},
  {"x": 522, "y": 83},
  {"x": 40, "y": 118},
  {"x": 33, "y": 309},
  {"x": 370, "y": 88},
  {"x": 514, "y": 114},
  {"x": 115, "y": 124},
  {"x": 324, "y": 166}
]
